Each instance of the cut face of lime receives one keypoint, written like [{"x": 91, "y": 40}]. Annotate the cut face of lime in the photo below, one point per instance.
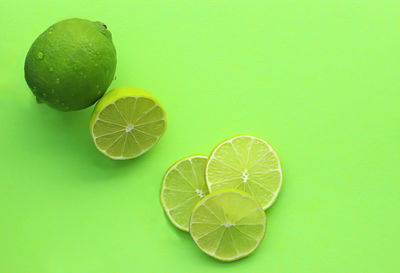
[
  {"x": 183, "y": 186},
  {"x": 246, "y": 163},
  {"x": 228, "y": 225},
  {"x": 127, "y": 122}
]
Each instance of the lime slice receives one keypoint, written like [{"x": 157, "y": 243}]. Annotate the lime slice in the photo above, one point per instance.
[
  {"x": 228, "y": 225},
  {"x": 127, "y": 122},
  {"x": 246, "y": 163},
  {"x": 183, "y": 186}
]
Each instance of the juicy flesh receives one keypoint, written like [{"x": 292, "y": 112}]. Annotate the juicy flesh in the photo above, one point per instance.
[{"x": 129, "y": 127}]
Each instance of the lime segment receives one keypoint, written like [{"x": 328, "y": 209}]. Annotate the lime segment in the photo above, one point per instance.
[
  {"x": 228, "y": 225},
  {"x": 127, "y": 122},
  {"x": 183, "y": 186},
  {"x": 246, "y": 163}
]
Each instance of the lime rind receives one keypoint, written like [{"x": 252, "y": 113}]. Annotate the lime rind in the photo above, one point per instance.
[
  {"x": 279, "y": 167},
  {"x": 163, "y": 188},
  {"x": 71, "y": 64},
  {"x": 238, "y": 256}
]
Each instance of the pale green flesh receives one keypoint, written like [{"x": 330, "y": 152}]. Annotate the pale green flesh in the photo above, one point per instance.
[
  {"x": 246, "y": 163},
  {"x": 228, "y": 225},
  {"x": 183, "y": 186},
  {"x": 129, "y": 127}
]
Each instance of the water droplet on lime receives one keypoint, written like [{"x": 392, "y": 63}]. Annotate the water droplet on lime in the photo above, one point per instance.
[
  {"x": 57, "y": 81},
  {"x": 40, "y": 55},
  {"x": 51, "y": 69}
]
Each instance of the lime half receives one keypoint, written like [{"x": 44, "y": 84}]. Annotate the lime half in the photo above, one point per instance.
[
  {"x": 127, "y": 122},
  {"x": 183, "y": 186},
  {"x": 246, "y": 163},
  {"x": 228, "y": 225}
]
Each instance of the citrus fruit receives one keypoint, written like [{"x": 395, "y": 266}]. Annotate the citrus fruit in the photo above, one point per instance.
[
  {"x": 183, "y": 186},
  {"x": 71, "y": 64},
  {"x": 228, "y": 225},
  {"x": 127, "y": 122},
  {"x": 246, "y": 163}
]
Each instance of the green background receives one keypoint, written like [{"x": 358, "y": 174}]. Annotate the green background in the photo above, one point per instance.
[{"x": 319, "y": 80}]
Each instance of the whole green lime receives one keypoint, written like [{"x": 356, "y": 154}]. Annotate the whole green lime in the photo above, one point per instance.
[{"x": 71, "y": 64}]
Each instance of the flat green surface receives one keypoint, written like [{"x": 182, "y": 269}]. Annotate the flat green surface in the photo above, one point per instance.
[{"x": 319, "y": 80}]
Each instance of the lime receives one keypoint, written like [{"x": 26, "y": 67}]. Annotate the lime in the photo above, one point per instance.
[
  {"x": 183, "y": 186},
  {"x": 127, "y": 122},
  {"x": 247, "y": 163},
  {"x": 71, "y": 64},
  {"x": 228, "y": 225}
]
